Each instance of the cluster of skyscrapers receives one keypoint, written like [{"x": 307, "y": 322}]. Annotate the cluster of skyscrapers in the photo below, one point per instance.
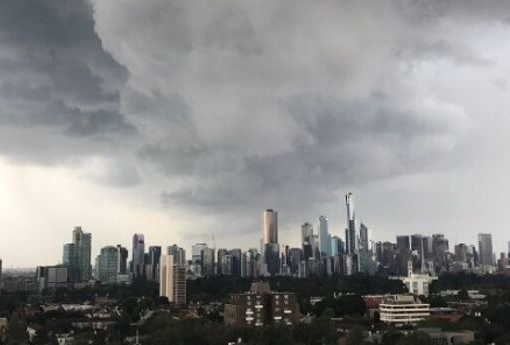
[{"x": 320, "y": 253}]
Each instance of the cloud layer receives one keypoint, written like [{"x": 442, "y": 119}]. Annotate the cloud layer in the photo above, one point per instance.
[{"x": 226, "y": 107}]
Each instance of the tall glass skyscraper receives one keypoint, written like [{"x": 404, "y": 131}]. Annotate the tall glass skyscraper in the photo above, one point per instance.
[
  {"x": 108, "y": 262},
  {"x": 324, "y": 237},
  {"x": 76, "y": 256},
  {"x": 350, "y": 231},
  {"x": 137, "y": 261},
  {"x": 486, "y": 255}
]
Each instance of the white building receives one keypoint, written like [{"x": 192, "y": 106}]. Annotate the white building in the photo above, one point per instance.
[
  {"x": 172, "y": 280},
  {"x": 417, "y": 283},
  {"x": 403, "y": 309}
]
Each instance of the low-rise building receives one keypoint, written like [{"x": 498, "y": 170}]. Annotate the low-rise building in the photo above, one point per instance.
[
  {"x": 261, "y": 306},
  {"x": 403, "y": 309}
]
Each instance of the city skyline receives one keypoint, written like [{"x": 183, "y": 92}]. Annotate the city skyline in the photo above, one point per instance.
[{"x": 184, "y": 123}]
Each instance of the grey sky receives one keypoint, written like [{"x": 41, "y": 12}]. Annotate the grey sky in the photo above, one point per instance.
[{"x": 183, "y": 119}]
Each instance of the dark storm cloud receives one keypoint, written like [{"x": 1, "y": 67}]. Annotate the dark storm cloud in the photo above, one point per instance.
[
  {"x": 235, "y": 105},
  {"x": 58, "y": 86}
]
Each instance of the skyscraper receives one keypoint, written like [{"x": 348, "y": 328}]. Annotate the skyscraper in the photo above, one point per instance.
[
  {"x": 76, "y": 256},
  {"x": 350, "y": 231},
  {"x": 364, "y": 238},
  {"x": 271, "y": 249},
  {"x": 208, "y": 262},
  {"x": 172, "y": 280},
  {"x": 138, "y": 255},
  {"x": 122, "y": 253},
  {"x": 196, "y": 258},
  {"x": 152, "y": 263},
  {"x": 307, "y": 240},
  {"x": 486, "y": 255},
  {"x": 107, "y": 264},
  {"x": 270, "y": 226},
  {"x": 324, "y": 237},
  {"x": 403, "y": 242},
  {"x": 178, "y": 253}
]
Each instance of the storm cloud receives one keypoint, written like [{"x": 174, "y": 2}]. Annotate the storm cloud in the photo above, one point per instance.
[{"x": 226, "y": 108}]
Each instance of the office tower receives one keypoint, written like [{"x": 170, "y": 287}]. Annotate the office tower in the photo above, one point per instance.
[
  {"x": 295, "y": 258},
  {"x": 122, "y": 254},
  {"x": 350, "y": 231},
  {"x": 270, "y": 226},
  {"x": 152, "y": 263},
  {"x": 70, "y": 260},
  {"x": 417, "y": 250},
  {"x": 178, "y": 253},
  {"x": 172, "y": 280},
  {"x": 307, "y": 240},
  {"x": 236, "y": 261},
  {"x": 403, "y": 242},
  {"x": 461, "y": 252},
  {"x": 227, "y": 265},
  {"x": 196, "y": 258},
  {"x": 76, "y": 256},
  {"x": 83, "y": 246},
  {"x": 138, "y": 255},
  {"x": 221, "y": 253},
  {"x": 271, "y": 249},
  {"x": 440, "y": 250},
  {"x": 208, "y": 262},
  {"x": 324, "y": 237},
  {"x": 107, "y": 265},
  {"x": 428, "y": 247},
  {"x": 486, "y": 255},
  {"x": 252, "y": 258},
  {"x": 364, "y": 243}
]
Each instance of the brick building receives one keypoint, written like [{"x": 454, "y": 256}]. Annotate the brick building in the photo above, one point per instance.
[{"x": 261, "y": 306}]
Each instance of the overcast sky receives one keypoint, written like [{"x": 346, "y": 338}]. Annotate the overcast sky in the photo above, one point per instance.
[{"x": 185, "y": 119}]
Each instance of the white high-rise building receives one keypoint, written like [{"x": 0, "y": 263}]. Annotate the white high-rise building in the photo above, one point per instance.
[
  {"x": 270, "y": 226},
  {"x": 172, "y": 280}
]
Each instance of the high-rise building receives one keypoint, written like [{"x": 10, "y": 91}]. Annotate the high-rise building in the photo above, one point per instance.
[
  {"x": 227, "y": 265},
  {"x": 324, "y": 237},
  {"x": 271, "y": 249},
  {"x": 178, "y": 253},
  {"x": 107, "y": 265},
  {"x": 486, "y": 255},
  {"x": 337, "y": 246},
  {"x": 138, "y": 255},
  {"x": 417, "y": 251},
  {"x": 196, "y": 258},
  {"x": 172, "y": 280},
  {"x": 152, "y": 263},
  {"x": 364, "y": 238},
  {"x": 208, "y": 262},
  {"x": 76, "y": 256},
  {"x": 307, "y": 240},
  {"x": 236, "y": 261},
  {"x": 350, "y": 231},
  {"x": 461, "y": 252},
  {"x": 403, "y": 242},
  {"x": 270, "y": 226},
  {"x": 122, "y": 254}
]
